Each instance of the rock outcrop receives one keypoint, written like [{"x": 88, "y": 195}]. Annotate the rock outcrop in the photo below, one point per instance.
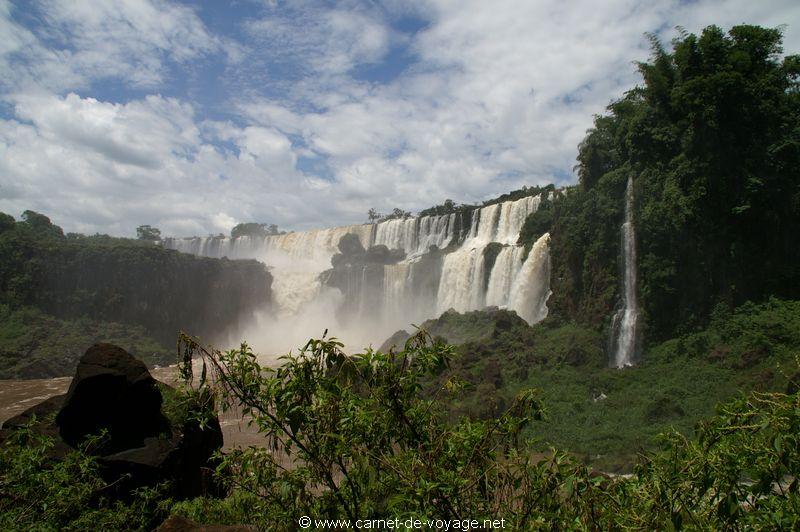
[
  {"x": 112, "y": 391},
  {"x": 114, "y": 396}
]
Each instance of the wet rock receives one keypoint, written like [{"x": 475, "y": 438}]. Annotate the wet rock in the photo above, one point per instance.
[
  {"x": 381, "y": 254},
  {"x": 349, "y": 244}
]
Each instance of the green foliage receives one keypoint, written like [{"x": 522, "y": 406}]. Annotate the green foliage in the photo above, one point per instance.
[
  {"x": 606, "y": 416},
  {"x": 538, "y": 222},
  {"x": 255, "y": 230},
  {"x": 356, "y": 437},
  {"x": 39, "y": 493},
  {"x": 712, "y": 141},
  {"x": 518, "y": 194},
  {"x": 7, "y": 222},
  {"x": 740, "y": 472},
  {"x": 362, "y": 441},
  {"x": 397, "y": 214},
  {"x": 150, "y": 234},
  {"x": 584, "y": 230},
  {"x": 127, "y": 281},
  {"x": 40, "y": 225},
  {"x": 448, "y": 207},
  {"x": 36, "y": 345}
]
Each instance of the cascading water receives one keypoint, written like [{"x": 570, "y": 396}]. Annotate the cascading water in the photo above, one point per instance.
[
  {"x": 626, "y": 321},
  {"x": 531, "y": 286},
  {"x": 381, "y": 299}
]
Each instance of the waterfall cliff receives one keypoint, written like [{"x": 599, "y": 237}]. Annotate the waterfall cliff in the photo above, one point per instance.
[
  {"x": 625, "y": 324},
  {"x": 444, "y": 265}
]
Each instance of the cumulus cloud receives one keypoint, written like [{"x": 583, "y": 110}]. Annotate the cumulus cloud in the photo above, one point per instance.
[
  {"x": 77, "y": 42},
  {"x": 318, "y": 112}
]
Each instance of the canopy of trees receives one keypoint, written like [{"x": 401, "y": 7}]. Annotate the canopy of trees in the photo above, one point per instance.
[
  {"x": 712, "y": 139},
  {"x": 40, "y": 225},
  {"x": 253, "y": 229},
  {"x": 151, "y": 234},
  {"x": 396, "y": 214}
]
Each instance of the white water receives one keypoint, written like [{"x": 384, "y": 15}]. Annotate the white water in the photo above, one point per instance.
[
  {"x": 627, "y": 318},
  {"x": 303, "y": 307},
  {"x": 531, "y": 286}
]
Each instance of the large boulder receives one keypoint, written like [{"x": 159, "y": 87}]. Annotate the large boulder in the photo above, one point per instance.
[
  {"x": 114, "y": 394},
  {"x": 112, "y": 391}
]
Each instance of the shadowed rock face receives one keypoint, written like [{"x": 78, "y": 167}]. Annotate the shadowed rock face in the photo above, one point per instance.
[{"x": 112, "y": 391}]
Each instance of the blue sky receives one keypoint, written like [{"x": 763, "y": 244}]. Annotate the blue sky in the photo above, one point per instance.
[{"x": 193, "y": 116}]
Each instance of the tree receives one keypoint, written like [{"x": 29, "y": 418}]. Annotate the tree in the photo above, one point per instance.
[
  {"x": 146, "y": 232},
  {"x": 711, "y": 138},
  {"x": 41, "y": 225},
  {"x": 399, "y": 213},
  {"x": 254, "y": 230},
  {"x": 7, "y": 222},
  {"x": 374, "y": 215}
]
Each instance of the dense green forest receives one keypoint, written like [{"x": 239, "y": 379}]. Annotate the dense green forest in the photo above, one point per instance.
[
  {"x": 67, "y": 291},
  {"x": 712, "y": 140}
]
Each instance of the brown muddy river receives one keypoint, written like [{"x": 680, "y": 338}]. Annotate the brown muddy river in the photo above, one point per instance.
[{"x": 18, "y": 395}]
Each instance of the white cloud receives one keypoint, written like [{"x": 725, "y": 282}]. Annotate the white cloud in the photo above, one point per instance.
[
  {"x": 495, "y": 95},
  {"x": 130, "y": 40},
  {"x": 320, "y": 40}
]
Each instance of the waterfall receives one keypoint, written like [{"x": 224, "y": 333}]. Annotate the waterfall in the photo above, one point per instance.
[
  {"x": 377, "y": 300},
  {"x": 531, "y": 288},
  {"x": 461, "y": 285},
  {"x": 506, "y": 267},
  {"x": 626, "y": 321}
]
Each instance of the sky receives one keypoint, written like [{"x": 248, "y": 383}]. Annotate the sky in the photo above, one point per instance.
[{"x": 195, "y": 116}]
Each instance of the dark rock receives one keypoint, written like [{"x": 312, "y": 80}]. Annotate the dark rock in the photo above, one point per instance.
[
  {"x": 396, "y": 341},
  {"x": 338, "y": 260},
  {"x": 112, "y": 391},
  {"x": 177, "y": 523},
  {"x": 378, "y": 254},
  {"x": 381, "y": 254},
  {"x": 349, "y": 244}
]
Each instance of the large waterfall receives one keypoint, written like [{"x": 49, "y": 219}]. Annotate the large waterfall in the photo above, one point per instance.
[
  {"x": 445, "y": 266},
  {"x": 625, "y": 325}
]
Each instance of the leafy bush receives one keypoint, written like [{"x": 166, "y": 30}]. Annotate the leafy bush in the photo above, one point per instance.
[
  {"x": 354, "y": 438},
  {"x": 38, "y": 492}
]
